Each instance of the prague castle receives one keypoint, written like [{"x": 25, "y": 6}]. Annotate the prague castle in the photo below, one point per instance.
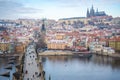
[{"x": 91, "y": 12}]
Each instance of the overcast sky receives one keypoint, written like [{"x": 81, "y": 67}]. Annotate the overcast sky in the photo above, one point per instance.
[{"x": 55, "y": 9}]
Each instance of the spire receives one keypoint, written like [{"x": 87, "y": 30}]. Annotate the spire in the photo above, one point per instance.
[
  {"x": 92, "y": 11},
  {"x": 88, "y": 14},
  {"x": 43, "y": 25},
  {"x": 92, "y": 6},
  {"x": 97, "y": 10}
]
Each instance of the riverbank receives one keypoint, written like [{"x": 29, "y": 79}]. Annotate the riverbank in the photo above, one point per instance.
[
  {"x": 114, "y": 55},
  {"x": 56, "y": 53},
  {"x": 70, "y": 53}
]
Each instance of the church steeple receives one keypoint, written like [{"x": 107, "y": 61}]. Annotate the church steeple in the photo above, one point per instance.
[
  {"x": 97, "y": 10},
  {"x": 92, "y": 12},
  {"x": 88, "y": 14},
  {"x": 92, "y": 7},
  {"x": 43, "y": 26}
]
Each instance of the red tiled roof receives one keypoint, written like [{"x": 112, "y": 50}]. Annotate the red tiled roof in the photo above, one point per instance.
[{"x": 114, "y": 39}]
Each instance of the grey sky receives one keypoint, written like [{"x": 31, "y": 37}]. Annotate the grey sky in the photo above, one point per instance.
[{"x": 55, "y": 9}]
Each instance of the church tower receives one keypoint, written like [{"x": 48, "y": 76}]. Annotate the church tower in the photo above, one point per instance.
[
  {"x": 43, "y": 26},
  {"x": 92, "y": 12},
  {"x": 88, "y": 14},
  {"x": 43, "y": 29}
]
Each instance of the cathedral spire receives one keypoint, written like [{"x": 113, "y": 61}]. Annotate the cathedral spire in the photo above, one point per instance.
[
  {"x": 92, "y": 7},
  {"x": 88, "y": 14},
  {"x": 92, "y": 13},
  {"x": 97, "y": 10}
]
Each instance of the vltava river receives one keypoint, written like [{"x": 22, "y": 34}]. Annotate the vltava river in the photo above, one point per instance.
[
  {"x": 3, "y": 64},
  {"x": 76, "y": 68}
]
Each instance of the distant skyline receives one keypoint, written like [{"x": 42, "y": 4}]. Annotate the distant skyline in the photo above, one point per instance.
[{"x": 55, "y": 9}]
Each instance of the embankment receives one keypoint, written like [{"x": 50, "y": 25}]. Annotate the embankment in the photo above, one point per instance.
[{"x": 55, "y": 53}]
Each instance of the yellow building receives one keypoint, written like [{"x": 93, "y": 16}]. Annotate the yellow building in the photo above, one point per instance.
[
  {"x": 118, "y": 45},
  {"x": 59, "y": 36},
  {"x": 60, "y": 46},
  {"x": 58, "y": 42},
  {"x": 20, "y": 48},
  {"x": 115, "y": 45},
  {"x": 4, "y": 46}
]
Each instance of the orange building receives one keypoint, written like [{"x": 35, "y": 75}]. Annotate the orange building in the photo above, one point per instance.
[
  {"x": 58, "y": 42},
  {"x": 56, "y": 45},
  {"x": 20, "y": 48}
]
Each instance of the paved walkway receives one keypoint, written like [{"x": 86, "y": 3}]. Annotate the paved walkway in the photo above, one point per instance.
[{"x": 31, "y": 68}]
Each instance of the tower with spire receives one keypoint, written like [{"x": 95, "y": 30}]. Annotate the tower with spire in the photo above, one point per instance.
[
  {"x": 88, "y": 14},
  {"x": 92, "y": 13},
  {"x": 43, "y": 26},
  {"x": 43, "y": 29}
]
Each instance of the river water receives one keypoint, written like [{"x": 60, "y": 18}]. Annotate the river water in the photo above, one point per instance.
[
  {"x": 76, "y": 68},
  {"x": 3, "y": 64}
]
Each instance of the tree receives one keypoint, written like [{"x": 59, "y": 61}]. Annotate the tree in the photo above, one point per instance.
[{"x": 41, "y": 41}]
